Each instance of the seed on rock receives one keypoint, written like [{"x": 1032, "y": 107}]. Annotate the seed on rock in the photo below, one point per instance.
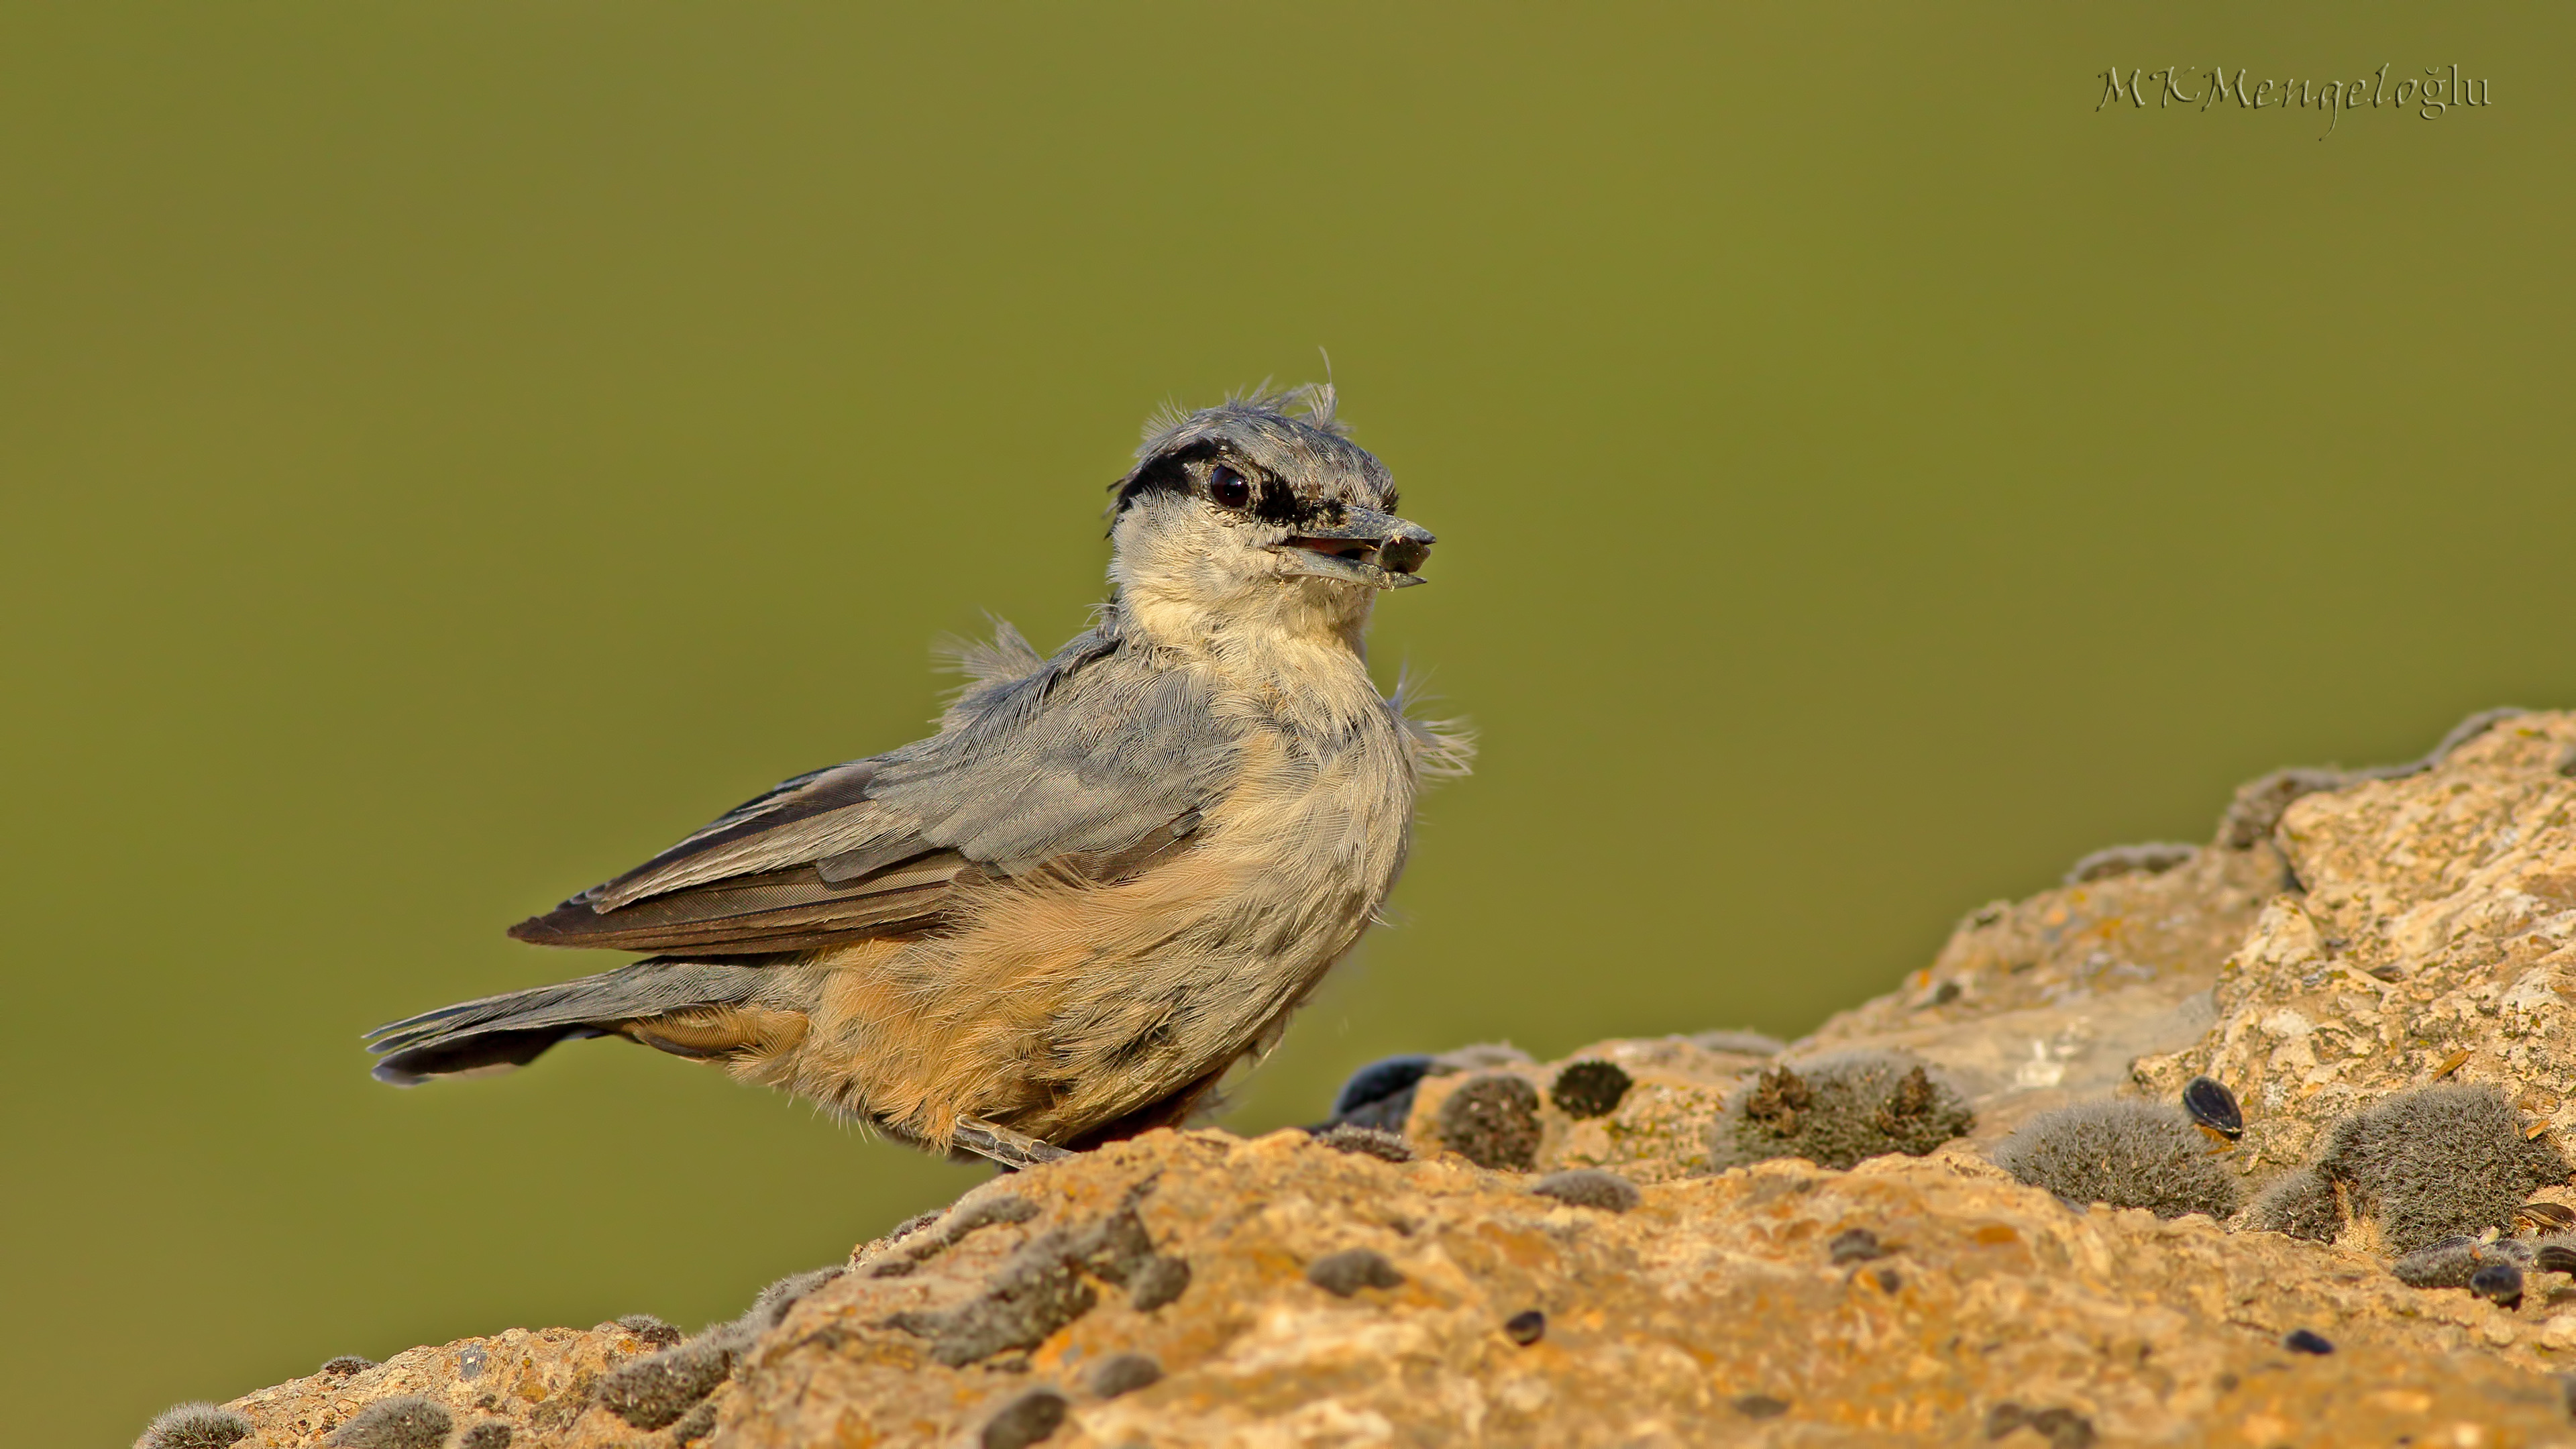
[
  {"x": 347, "y": 1363},
  {"x": 1347, "y": 1272},
  {"x": 1590, "y": 1089},
  {"x": 1761, "y": 1406},
  {"x": 1888, "y": 1281},
  {"x": 2550, "y": 1216},
  {"x": 2555, "y": 1258},
  {"x": 1589, "y": 1187},
  {"x": 1526, "y": 1327},
  {"x": 2302, "y": 1340},
  {"x": 1026, "y": 1420},
  {"x": 1124, "y": 1374},
  {"x": 2213, "y": 1107},
  {"x": 1854, "y": 1245},
  {"x": 1492, "y": 1121},
  {"x": 2499, "y": 1283}
]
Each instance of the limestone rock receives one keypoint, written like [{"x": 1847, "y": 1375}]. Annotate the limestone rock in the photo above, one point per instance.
[
  {"x": 1722, "y": 1308},
  {"x": 2435, "y": 938},
  {"x": 2347, "y": 936},
  {"x": 539, "y": 1384}
]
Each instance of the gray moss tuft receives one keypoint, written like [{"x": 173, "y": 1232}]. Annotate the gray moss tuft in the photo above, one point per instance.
[
  {"x": 2436, "y": 1162},
  {"x": 1589, "y": 1187},
  {"x": 2126, "y": 1153},
  {"x": 195, "y": 1426},
  {"x": 770, "y": 1309},
  {"x": 1366, "y": 1141},
  {"x": 696, "y": 1424},
  {"x": 2298, "y": 1204},
  {"x": 404, "y": 1422},
  {"x": 1492, "y": 1121},
  {"x": 2454, "y": 1261},
  {"x": 650, "y": 1329},
  {"x": 657, "y": 1389},
  {"x": 1838, "y": 1110}
]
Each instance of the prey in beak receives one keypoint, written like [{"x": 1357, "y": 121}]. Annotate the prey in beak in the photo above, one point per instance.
[{"x": 1363, "y": 546}]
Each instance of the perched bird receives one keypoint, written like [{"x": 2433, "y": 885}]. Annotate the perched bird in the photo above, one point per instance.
[{"x": 1111, "y": 874}]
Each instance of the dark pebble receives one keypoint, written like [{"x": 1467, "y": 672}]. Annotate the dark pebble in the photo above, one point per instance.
[
  {"x": 1854, "y": 1245},
  {"x": 1526, "y": 1327},
  {"x": 1590, "y": 1089},
  {"x": 1159, "y": 1281},
  {"x": 1125, "y": 1374},
  {"x": 1347, "y": 1272},
  {"x": 1026, "y": 1420},
  {"x": 2063, "y": 1428},
  {"x": 2302, "y": 1340}
]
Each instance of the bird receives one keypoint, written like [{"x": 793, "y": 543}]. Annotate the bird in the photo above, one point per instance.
[{"x": 1113, "y": 873}]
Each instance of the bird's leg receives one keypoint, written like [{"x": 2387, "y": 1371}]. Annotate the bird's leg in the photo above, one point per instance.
[{"x": 1001, "y": 1144}]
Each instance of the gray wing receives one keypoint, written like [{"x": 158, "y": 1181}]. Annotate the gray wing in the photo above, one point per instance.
[{"x": 1095, "y": 764}]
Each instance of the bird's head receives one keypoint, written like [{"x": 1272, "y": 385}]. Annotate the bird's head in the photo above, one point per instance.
[{"x": 1244, "y": 513}]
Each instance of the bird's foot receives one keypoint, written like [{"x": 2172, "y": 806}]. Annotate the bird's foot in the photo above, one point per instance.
[{"x": 1002, "y": 1145}]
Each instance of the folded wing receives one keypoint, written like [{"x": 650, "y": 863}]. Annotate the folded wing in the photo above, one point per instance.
[{"x": 1095, "y": 765}]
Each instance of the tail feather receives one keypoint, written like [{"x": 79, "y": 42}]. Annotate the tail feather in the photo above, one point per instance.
[{"x": 495, "y": 1033}]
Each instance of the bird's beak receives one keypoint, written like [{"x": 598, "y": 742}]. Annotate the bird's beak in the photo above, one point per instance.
[{"x": 1365, "y": 547}]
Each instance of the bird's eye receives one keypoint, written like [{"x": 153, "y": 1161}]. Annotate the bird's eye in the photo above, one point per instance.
[{"x": 1227, "y": 488}]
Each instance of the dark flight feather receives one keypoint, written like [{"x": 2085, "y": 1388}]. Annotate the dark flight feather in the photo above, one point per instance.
[{"x": 512, "y": 1029}]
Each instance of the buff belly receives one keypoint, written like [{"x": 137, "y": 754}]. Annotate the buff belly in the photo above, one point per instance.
[{"x": 1062, "y": 1009}]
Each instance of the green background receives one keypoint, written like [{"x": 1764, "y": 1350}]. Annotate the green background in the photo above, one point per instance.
[{"x": 447, "y": 452}]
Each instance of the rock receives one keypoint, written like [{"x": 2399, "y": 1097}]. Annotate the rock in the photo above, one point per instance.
[
  {"x": 539, "y": 1385},
  {"x": 2350, "y": 937},
  {"x": 1714, "y": 1289},
  {"x": 2428, "y": 918}
]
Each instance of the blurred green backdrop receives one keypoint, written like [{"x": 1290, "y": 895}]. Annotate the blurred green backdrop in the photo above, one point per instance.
[{"x": 446, "y": 452}]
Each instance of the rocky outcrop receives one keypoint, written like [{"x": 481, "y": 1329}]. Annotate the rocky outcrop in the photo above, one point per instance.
[{"x": 1560, "y": 1253}]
